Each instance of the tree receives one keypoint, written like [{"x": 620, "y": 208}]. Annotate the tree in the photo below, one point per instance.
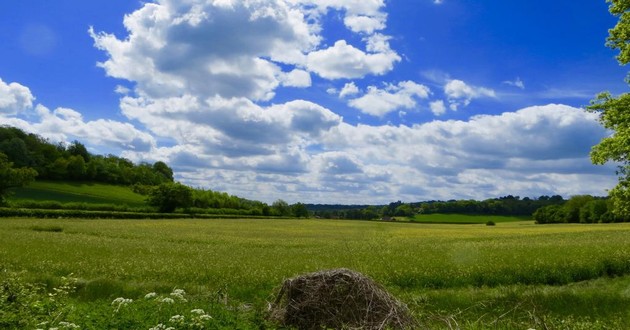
[
  {"x": 280, "y": 208},
  {"x": 169, "y": 196},
  {"x": 299, "y": 210},
  {"x": 13, "y": 177},
  {"x": 78, "y": 149},
  {"x": 614, "y": 113}
]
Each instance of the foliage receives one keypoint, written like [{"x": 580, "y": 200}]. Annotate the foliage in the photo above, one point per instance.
[
  {"x": 169, "y": 196},
  {"x": 74, "y": 162},
  {"x": 614, "y": 115},
  {"x": 11, "y": 177},
  {"x": 504, "y": 206},
  {"x": 580, "y": 208},
  {"x": 30, "y": 306}
]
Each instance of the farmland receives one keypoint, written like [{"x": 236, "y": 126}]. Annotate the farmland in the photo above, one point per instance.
[{"x": 470, "y": 274}]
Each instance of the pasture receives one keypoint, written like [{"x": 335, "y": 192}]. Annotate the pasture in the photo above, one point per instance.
[
  {"x": 512, "y": 275},
  {"x": 78, "y": 192}
]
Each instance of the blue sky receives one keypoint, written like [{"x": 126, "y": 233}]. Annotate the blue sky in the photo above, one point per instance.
[{"x": 325, "y": 101}]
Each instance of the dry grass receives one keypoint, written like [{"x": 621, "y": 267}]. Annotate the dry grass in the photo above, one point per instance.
[{"x": 338, "y": 299}]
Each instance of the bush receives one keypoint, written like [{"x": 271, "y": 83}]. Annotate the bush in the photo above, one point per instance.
[{"x": 490, "y": 223}]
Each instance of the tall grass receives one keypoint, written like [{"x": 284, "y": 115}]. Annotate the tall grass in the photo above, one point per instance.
[{"x": 247, "y": 259}]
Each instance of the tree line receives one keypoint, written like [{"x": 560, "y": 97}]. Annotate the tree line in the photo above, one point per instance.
[
  {"x": 26, "y": 156},
  {"x": 508, "y": 206},
  {"x": 73, "y": 162}
]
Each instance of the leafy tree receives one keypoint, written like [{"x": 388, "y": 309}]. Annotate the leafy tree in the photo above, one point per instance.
[
  {"x": 299, "y": 210},
  {"x": 76, "y": 168},
  {"x": 280, "y": 208},
  {"x": 76, "y": 148},
  {"x": 11, "y": 177},
  {"x": 169, "y": 196},
  {"x": 162, "y": 168},
  {"x": 614, "y": 113}
]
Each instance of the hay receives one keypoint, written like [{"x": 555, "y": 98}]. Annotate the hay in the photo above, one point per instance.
[{"x": 338, "y": 299}]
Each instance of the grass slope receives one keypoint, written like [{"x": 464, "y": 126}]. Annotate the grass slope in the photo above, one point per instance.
[
  {"x": 81, "y": 192},
  {"x": 513, "y": 275},
  {"x": 464, "y": 218}
]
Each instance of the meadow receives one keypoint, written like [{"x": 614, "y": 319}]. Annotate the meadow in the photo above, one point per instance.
[
  {"x": 77, "y": 192},
  {"x": 513, "y": 275}
]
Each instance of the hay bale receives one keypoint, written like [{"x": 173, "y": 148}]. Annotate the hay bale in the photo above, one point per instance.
[{"x": 338, "y": 299}]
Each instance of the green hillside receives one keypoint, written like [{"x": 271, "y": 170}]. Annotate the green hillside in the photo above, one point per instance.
[{"x": 80, "y": 192}]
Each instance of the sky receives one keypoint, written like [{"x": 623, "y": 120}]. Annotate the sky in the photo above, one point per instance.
[{"x": 322, "y": 101}]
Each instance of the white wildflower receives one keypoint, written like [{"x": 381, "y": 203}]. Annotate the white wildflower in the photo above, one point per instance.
[
  {"x": 177, "y": 319},
  {"x": 179, "y": 294},
  {"x": 197, "y": 311},
  {"x": 150, "y": 295},
  {"x": 205, "y": 317},
  {"x": 121, "y": 301},
  {"x": 167, "y": 300}
]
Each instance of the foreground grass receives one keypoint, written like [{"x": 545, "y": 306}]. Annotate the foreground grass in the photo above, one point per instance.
[
  {"x": 78, "y": 192},
  {"x": 512, "y": 275}
]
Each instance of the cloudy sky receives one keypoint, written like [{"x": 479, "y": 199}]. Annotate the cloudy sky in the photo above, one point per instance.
[{"x": 322, "y": 101}]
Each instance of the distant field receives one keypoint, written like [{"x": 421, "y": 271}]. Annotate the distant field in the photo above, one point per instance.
[
  {"x": 464, "y": 219},
  {"x": 97, "y": 193},
  {"x": 511, "y": 275}
]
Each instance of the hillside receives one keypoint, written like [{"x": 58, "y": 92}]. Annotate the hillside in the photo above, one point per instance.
[{"x": 81, "y": 192}]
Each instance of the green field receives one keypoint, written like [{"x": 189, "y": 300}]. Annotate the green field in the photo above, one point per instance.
[
  {"x": 464, "y": 218},
  {"x": 78, "y": 192},
  {"x": 513, "y": 275}
]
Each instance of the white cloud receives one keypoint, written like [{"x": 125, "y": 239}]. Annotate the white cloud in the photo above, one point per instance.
[
  {"x": 461, "y": 94},
  {"x": 14, "y": 98},
  {"x": 379, "y": 102},
  {"x": 366, "y": 24},
  {"x": 530, "y": 152},
  {"x": 349, "y": 89},
  {"x": 345, "y": 61},
  {"x": 210, "y": 70},
  {"x": 437, "y": 107},
  {"x": 208, "y": 48},
  {"x": 297, "y": 78},
  {"x": 516, "y": 83}
]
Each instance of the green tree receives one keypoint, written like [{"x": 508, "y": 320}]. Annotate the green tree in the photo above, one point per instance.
[
  {"x": 299, "y": 210},
  {"x": 76, "y": 168},
  {"x": 280, "y": 208},
  {"x": 11, "y": 177},
  {"x": 169, "y": 196},
  {"x": 614, "y": 113}
]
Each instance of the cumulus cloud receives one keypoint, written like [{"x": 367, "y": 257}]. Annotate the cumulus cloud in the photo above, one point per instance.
[
  {"x": 297, "y": 78},
  {"x": 208, "y": 48},
  {"x": 349, "y": 89},
  {"x": 437, "y": 107},
  {"x": 530, "y": 151},
  {"x": 461, "y": 94},
  {"x": 379, "y": 102},
  {"x": 14, "y": 98},
  {"x": 345, "y": 61},
  {"x": 211, "y": 70}
]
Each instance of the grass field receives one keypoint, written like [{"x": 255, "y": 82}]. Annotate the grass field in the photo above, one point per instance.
[
  {"x": 78, "y": 192},
  {"x": 464, "y": 218},
  {"x": 513, "y": 275}
]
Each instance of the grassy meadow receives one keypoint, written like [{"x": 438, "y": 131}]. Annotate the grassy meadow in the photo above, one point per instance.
[
  {"x": 464, "y": 218},
  {"x": 513, "y": 275},
  {"x": 78, "y": 192}
]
